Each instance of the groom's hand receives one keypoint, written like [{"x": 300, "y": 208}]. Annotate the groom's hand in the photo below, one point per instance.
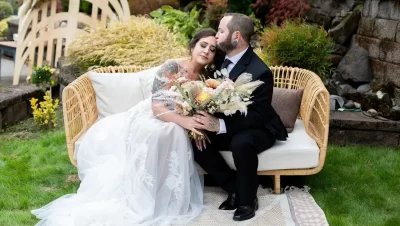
[{"x": 207, "y": 121}]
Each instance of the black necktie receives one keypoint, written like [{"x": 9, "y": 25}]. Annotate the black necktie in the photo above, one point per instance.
[{"x": 226, "y": 63}]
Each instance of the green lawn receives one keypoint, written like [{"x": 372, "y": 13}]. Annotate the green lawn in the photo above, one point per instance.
[{"x": 358, "y": 185}]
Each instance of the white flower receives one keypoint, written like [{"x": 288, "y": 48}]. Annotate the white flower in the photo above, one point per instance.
[
  {"x": 173, "y": 88},
  {"x": 185, "y": 105},
  {"x": 225, "y": 73}
]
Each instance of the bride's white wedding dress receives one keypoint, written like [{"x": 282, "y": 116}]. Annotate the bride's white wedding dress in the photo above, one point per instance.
[{"x": 135, "y": 170}]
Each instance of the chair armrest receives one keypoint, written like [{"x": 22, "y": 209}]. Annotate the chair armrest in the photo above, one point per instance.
[
  {"x": 314, "y": 111},
  {"x": 80, "y": 111}
]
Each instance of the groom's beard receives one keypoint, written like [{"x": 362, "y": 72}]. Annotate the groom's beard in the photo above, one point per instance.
[{"x": 226, "y": 46}]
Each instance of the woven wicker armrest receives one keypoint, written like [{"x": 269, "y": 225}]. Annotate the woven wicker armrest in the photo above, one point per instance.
[
  {"x": 314, "y": 108},
  {"x": 79, "y": 109},
  {"x": 79, "y": 105}
]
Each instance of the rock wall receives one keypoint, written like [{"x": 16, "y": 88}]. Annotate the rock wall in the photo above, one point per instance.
[{"x": 379, "y": 34}]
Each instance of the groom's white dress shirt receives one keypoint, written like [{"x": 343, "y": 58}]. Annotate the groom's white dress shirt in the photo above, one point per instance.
[{"x": 234, "y": 59}]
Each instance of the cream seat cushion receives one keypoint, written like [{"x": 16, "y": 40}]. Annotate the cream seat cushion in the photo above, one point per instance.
[{"x": 299, "y": 152}]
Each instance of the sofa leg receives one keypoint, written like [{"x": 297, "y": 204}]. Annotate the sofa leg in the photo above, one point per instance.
[{"x": 277, "y": 184}]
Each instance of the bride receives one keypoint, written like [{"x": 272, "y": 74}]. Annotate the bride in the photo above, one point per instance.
[{"x": 136, "y": 167}]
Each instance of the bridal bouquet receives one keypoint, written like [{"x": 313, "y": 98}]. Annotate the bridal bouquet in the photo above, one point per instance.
[{"x": 217, "y": 95}]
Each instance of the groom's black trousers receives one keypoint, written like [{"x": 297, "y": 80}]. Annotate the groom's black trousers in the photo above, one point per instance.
[{"x": 244, "y": 146}]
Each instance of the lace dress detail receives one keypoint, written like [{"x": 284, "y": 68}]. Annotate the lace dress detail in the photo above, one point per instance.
[{"x": 141, "y": 171}]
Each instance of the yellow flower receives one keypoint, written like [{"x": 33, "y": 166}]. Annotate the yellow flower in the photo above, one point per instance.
[
  {"x": 52, "y": 70},
  {"x": 202, "y": 97},
  {"x": 212, "y": 83},
  {"x": 33, "y": 101}
]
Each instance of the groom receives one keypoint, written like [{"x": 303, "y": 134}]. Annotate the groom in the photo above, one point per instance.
[{"x": 245, "y": 136}]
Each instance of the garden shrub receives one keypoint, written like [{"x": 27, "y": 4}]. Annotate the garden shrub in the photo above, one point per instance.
[
  {"x": 298, "y": 44},
  {"x": 277, "y": 11},
  {"x": 6, "y": 10},
  {"x": 4, "y": 27},
  {"x": 141, "y": 41},
  {"x": 184, "y": 23}
]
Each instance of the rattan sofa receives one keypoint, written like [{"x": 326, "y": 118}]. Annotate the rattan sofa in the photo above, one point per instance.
[{"x": 80, "y": 112}]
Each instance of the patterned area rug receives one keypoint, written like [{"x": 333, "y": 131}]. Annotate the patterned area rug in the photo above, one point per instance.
[{"x": 295, "y": 207}]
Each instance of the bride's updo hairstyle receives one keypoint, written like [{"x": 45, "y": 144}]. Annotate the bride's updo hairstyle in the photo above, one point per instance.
[{"x": 203, "y": 33}]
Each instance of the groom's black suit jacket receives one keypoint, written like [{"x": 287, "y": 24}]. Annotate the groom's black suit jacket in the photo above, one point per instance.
[{"x": 260, "y": 113}]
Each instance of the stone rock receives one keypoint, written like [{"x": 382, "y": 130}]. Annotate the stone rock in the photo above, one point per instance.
[
  {"x": 319, "y": 17},
  {"x": 364, "y": 88},
  {"x": 397, "y": 96},
  {"x": 393, "y": 73},
  {"x": 334, "y": 6},
  {"x": 372, "y": 45},
  {"x": 340, "y": 49},
  {"x": 335, "y": 59},
  {"x": 337, "y": 20},
  {"x": 17, "y": 94},
  {"x": 379, "y": 69},
  {"x": 346, "y": 28},
  {"x": 373, "y": 113},
  {"x": 396, "y": 108},
  {"x": 366, "y": 26},
  {"x": 331, "y": 87},
  {"x": 398, "y": 33},
  {"x": 315, "y": 3},
  {"x": 389, "y": 52},
  {"x": 357, "y": 105},
  {"x": 371, "y": 8},
  {"x": 337, "y": 78},
  {"x": 384, "y": 97},
  {"x": 349, "y": 104},
  {"x": 385, "y": 29},
  {"x": 355, "y": 65},
  {"x": 345, "y": 89}
]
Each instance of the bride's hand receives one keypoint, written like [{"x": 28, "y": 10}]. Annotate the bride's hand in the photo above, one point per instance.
[
  {"x": 202, "y": 143},
  {"x": 190, "y": 124}
]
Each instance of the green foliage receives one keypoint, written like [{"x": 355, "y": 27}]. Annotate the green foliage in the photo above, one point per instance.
[
  {"x": 42, "y": 75},
  {"x": 6, "y": 9},
  {"x": 241, "y": 6},
  {"x": 258, "y": 27},
  {"x": 298, "y": 44},
  {"x": 184, "y": 23},
  {"x": 84, "y": 6}
]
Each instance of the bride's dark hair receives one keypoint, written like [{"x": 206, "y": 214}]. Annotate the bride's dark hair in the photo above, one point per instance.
[{"x": 204, "y": 33}]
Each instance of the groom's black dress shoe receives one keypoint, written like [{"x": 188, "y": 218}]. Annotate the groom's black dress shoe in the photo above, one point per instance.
[
  {"x": 229, "y": 203},
  {"x": 245, "y": 212}
]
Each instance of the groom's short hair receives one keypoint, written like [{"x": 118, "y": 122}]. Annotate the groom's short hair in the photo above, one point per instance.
[{"x": 241, "y": 23}]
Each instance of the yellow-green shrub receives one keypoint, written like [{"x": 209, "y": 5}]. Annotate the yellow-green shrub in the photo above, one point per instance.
[
  {"x": 297, "y": 44},
  {"x": 141, "y": 41},
  {"x": 44, "y": 113},
  {"x": 4, "y": 27}
]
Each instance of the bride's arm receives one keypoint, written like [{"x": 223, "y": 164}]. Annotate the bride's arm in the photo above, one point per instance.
[
  {"x": 162, "y": 104},
  {"x": 165, "y": 114}
]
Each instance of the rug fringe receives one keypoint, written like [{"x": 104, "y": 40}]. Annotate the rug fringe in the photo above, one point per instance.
[{"x": 294, "y": 188}]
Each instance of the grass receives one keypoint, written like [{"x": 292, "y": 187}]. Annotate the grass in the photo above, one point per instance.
[{"x": 358, "y": 185}]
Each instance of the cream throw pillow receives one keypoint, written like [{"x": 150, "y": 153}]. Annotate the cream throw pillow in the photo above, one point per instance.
[{"x": 118, "y": 92}]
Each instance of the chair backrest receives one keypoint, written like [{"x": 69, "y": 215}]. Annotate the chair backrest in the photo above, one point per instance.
[{"x": 45, "y": 34}]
